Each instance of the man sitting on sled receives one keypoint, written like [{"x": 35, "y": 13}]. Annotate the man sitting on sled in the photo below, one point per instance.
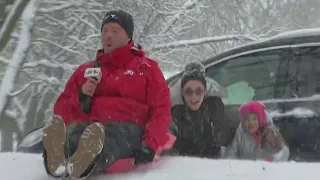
[{"x": 130, "y": 108}]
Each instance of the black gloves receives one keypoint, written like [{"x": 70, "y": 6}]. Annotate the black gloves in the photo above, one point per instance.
[{"x": 144, "y": 155}]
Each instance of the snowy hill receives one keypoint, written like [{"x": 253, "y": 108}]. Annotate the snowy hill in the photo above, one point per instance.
[{"x": 16, "y": 166}]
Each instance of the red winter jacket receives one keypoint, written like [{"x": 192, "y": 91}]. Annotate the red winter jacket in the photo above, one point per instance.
[{"x": 132, "y": 89}]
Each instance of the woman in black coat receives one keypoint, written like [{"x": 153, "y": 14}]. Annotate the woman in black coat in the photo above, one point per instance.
[{"x": 198, "y": 123}]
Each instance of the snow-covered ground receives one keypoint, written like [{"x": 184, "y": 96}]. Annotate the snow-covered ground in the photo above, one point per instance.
[{"x": 16, "y": 166}]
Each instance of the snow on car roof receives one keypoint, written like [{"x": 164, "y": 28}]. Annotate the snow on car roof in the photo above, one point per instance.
[
  {"x": 285, "y": 35},
  {"x": 297, "y": 33}
]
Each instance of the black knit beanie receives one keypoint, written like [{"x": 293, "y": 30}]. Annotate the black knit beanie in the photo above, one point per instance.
[
  {"x": 194, "y": 71},
  {"x": 124, "y": 19}
]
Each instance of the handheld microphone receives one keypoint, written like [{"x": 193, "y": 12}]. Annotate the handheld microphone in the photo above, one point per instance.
[{"x": 94, "y": 73}]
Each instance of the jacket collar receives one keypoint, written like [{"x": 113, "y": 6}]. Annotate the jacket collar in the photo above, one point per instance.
[{"x": 119, "y": 57}]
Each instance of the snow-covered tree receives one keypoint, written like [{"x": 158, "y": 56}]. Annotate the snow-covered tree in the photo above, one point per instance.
[{"x": 8, "y": 123}]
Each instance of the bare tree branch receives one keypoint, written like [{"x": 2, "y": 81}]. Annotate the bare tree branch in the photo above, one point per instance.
[
  {"x": 60, "y": 46},
  {"x": 202, "y": 41},
  {"x": 17, "y": 92},
  {"x": 56, "y": 8},
  {"x": 187, "y": 6}
]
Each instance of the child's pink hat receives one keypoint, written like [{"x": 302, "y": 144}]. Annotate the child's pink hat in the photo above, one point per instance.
[{"x": 254, "y": 107}]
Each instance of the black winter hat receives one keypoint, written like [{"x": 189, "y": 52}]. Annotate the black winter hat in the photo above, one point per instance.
[
  {"x": 194, "y": 71},
  {"x": 124, "y": 19}
]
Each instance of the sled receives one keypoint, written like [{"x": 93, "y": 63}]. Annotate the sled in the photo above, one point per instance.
[
  {"x": 125, "y": 165},
  {"x": 32, "y": 144}
]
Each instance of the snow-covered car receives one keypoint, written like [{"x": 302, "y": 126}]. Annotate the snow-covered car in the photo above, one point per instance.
[{"x": 284, "y": 73}]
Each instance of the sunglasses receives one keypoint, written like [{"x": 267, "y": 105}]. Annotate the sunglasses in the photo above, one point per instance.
[{"x": 189, "y": 91}]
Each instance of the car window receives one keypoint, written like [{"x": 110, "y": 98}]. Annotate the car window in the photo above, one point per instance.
[
  {"x": 304, "y": 76},
  {"x": 248, "y": 77}
]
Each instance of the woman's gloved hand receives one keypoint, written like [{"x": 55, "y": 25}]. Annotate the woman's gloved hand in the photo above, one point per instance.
[{"x": 144, "y": 155}]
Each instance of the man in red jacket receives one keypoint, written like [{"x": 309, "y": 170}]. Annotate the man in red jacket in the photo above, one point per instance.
[{"x": 130, "y": 110}]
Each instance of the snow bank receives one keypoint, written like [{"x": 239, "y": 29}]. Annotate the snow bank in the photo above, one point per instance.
[{"x": 17, "y": 166}]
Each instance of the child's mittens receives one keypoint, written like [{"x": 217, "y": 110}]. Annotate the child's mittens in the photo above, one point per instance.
[{"x": 271, "y": 139}]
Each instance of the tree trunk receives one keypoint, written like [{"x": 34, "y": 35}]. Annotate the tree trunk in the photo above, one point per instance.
[
  {"x": 11, "y": 20},
  {"x": 19, "y": 55},
  {"x": 8, "y": 126}
]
